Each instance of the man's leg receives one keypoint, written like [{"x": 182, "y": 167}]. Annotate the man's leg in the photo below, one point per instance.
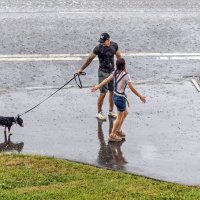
[
  {"x": 111, "y": 104},
  {"x": 100, "y": 101},
  {"x": 100, "y": 114},
  {"x": 103, "y": 91}
]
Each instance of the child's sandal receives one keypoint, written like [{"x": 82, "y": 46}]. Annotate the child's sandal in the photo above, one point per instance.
[
  {"x": 121, "y": 134},
  {"x": 114, "y": 138}
]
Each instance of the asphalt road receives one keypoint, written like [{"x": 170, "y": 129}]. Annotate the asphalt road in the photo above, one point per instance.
[{"x": 44, "y": 42}]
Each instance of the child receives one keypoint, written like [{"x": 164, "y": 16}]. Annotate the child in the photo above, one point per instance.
[{"x": 121, "y": 80}]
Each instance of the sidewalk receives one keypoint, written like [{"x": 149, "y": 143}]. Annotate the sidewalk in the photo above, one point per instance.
[{"x": 163, "y": 139}]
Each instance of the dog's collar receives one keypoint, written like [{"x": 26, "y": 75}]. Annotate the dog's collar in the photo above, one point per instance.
[{"x": 15, "y": 120}]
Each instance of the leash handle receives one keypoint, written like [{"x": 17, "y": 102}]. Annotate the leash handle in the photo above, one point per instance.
[{"x": 79, "y": 83}]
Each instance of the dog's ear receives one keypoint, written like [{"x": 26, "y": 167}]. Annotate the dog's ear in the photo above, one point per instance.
[
  {"x": 16, "y": 118},
  {"x": 19, "y": 121}
]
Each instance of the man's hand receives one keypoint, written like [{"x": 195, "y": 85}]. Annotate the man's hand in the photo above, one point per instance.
[
  {"x": 79, "y": 71},
  {"x": 143, "y": 99}
]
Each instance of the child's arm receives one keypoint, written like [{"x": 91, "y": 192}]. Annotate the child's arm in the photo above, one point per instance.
[
  {"x": 142, "y": 98},
  {"x": 96, "y": 87}
]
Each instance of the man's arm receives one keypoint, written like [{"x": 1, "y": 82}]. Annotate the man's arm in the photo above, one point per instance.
[
  {"x": 118, "y": 54},
  {"x": 87, "y": 62}
]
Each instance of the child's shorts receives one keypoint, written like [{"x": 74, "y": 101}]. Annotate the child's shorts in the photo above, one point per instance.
[{"x": 120, "y": 103}]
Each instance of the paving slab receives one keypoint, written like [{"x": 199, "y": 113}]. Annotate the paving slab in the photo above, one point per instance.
[{"x": 162, "y": 139}]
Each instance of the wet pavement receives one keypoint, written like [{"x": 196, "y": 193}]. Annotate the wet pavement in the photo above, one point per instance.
[{"x": 162, "y": 139}]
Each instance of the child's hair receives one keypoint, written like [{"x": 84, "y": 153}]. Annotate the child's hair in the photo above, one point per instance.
[{"x": 120, "y": 63}]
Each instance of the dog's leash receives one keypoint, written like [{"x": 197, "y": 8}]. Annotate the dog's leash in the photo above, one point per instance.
[{"x": 78, "y": 82}]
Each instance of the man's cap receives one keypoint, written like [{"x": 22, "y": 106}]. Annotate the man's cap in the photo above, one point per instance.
[{"x": 104, "y": 37}]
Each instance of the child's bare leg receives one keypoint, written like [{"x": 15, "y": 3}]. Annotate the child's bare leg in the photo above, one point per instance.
[
  {"x": 117, "y": 123},
  {"x": 100, "y": 101},
  {"x": 122, "y": 120}
]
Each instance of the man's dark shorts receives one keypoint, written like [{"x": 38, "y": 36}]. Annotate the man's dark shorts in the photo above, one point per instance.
[{"x": 109, "y": 86}]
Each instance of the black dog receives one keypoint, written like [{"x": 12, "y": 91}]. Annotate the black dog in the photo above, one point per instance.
[{"x": 7, "y": 122}]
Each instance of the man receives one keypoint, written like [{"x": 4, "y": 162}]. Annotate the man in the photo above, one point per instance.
[{"x": 105, "y": 51}]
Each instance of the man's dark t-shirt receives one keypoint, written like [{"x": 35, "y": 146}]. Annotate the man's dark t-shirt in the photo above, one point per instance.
[{"x": 106, "y": 56}]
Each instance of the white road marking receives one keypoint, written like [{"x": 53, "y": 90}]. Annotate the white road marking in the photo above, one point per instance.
[
  {"x": 95, "y": 12},
  {"x": 136, "y": 82},
  {"x": 127, "y": 11},
  {"x": 102, "y": 12},
  {"x": 180, "y": 58},
  {"x": 41, "y": 59},
  {"x": 76, "y": 57},
  {"x": 160, "y": 54},
  {"x": 46, "y": 87},
  {"x": 196, "y": 84}
]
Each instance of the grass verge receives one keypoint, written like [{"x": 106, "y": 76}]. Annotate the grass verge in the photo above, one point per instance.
[{"x": 37, "y": 177}]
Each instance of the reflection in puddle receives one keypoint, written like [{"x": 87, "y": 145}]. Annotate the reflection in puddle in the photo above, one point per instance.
[
  {"x": 110, "y": 154},
  {"x": 9, "y": 146}
]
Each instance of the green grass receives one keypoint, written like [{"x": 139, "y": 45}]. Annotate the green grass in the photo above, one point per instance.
[{"x": 36, "y": 177}]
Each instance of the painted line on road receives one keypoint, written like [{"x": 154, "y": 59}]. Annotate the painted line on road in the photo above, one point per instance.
[
  {"x": 85, "y": 55},
  {"x": 136, "y": 82},
  {"x": 46, "y": 87},
  {"x": 77, "y": 57},
  {"x": 41, "y": 55},
  {"x": 100, "y": 12},
  {"x": 41, "y": 59},
  {"x": 130, "y": 11},
  {"x": 196, "y": 84},
  {"x": 180, "y": 58}
]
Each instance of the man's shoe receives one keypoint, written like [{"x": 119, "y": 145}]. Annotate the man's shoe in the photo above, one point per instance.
[
  {"x": 101, "y": 116},
  {"x": 112, "y": 114}
]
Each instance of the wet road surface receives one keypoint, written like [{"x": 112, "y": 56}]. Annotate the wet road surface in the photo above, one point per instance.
[
  {"x": 162, "y": 135},
  {"x": 162, "y": 139}
]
